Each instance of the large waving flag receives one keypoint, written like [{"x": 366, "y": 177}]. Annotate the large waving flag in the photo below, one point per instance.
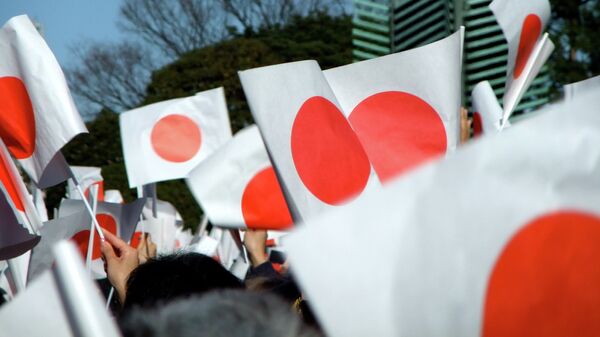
[
  {"x": 316, "y": 153},
  {"x": 523, "y": 24},
  {"x": 237, "y": 186},
  {"x": 501, "y": 239},
  {"x": 61, "y": 302},
  {"x": 37, "y": 114},
  {"x": 404, "y": 107},
  {"x": 165, "y": 140}
]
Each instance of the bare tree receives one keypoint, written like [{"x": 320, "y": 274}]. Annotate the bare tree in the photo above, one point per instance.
[
  {"x": 175, "y": 26},
  {"x": 254, "y": 14},
  {"x": 112, "y": 75}
]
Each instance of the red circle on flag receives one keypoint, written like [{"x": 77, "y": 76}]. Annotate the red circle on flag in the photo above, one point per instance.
[
  {"x": 82, "y": 238},
  {"x": 263, "y": 204},
  {"x": 327, "y": 154},
  {"x": 136, "y": 239},
  {"x": 530, "y": 32},
  {"x": 176, "y": 138},
  {"x": 17, "y": 120},
  {"x": 546, "y": 281},
  {"x": 100, "y": 185},
  {"x": 399, "y": 131},
  {"x": 477, "y": 124},
  {"x": 9, "y": 184}
]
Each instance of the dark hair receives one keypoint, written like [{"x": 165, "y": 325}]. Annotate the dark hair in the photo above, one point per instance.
[
  {"x": 227, "y": 313},
  {"x": 173, "y": 276}
]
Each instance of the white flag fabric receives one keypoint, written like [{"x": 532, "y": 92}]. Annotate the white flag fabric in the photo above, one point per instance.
[
  {"x": 404, "y": 107},
  {"x": 573, "y": 90},
  {"x": 501, "y": 239},
  {"x": 38, "y": 116},
  {"x": 113, "y": 196},
  {"x": 523, "y": 24},
  {"x": 86, "y": 176},
  {"x": 487, "y": 113},
  {"x": 61, "y": 302},
  {"x": 21, "y": 201},
  {"x": 237, "y": 186},
  {"x": 315, "y": 152},
  {"x": 15, "y": 238},
  {"x": 165, "y": 140}
]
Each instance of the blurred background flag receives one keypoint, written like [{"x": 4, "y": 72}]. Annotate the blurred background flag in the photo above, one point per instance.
[
  {"x": 237, "y": 186},
  {"x": 86, "y": 176},
  {"x": 519, "y": 259},
  {"x": 315, "y": 151},
  {"x": 523, "y": 24},
  {"x": 37, "y": 114},
  {"x": 404, "y": 107},
  {"x": 487, "y": 112},
  {"x": 165, "y": 140}
]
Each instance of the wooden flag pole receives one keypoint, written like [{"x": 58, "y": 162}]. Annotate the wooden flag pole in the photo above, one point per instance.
[{"x": 88, "y": 259}]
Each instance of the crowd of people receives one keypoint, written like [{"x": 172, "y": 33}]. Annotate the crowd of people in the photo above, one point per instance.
[{"x": 190, "y": 294}]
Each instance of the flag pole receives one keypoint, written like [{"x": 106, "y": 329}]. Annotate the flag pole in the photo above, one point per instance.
[
  {"x": 88, "y": 259},
  {"x": 110, "y": 296},
  {"x": 89, "y": 209}
]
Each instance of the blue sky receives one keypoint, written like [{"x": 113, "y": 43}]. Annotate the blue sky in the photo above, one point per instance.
[{"x": 64, "y": 22}]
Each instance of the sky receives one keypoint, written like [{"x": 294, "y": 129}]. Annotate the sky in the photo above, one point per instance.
[{"x": 66, "y": 22}]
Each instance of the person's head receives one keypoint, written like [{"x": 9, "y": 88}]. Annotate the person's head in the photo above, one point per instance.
[
  {"x": 230, "y": 313},
  {"x": 180, "y": 275}
]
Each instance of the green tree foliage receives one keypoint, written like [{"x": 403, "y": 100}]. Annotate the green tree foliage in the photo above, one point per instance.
[
  {"x": 573, "y": 30},
  {"x": 321, "y": 37}
]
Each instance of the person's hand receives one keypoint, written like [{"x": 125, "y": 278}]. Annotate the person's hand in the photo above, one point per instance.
[
  {"x": 465, "y": 125},
  {"x": 120, "y": 260},
  {"x": 146, "y": 249},
  {"x": 255, "y": 241}
]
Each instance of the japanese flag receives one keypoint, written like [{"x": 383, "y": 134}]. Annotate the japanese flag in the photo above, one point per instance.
[
  {"x": 487, "y": 113},
  {"x": 75, "y": 223},
  {"x": 316, "y": 153},
  {"x": 523, "y": 24},
  {"x": 404, "y": 107},
  {"x": 237, "y": 186},
  {"x": 15, "y": 238},
  {"x": 14, "y": 187},
  {"x": 165, "y": 140},
  {"x": 501, "y": 239},
  {"x": 63, "y": 301},
  {"x": 37, "y": 114},
  {"x": 87, "y": 176}
]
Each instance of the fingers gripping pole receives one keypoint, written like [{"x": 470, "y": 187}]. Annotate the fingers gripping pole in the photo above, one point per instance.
[{"x": 90, "y": 211}]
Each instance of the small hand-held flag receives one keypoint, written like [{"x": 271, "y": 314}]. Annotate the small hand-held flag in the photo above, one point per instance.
[{"x": 165, "y": 140}]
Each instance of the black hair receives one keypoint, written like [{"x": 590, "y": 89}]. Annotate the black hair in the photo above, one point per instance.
[{"x": 174, "y": 276}]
